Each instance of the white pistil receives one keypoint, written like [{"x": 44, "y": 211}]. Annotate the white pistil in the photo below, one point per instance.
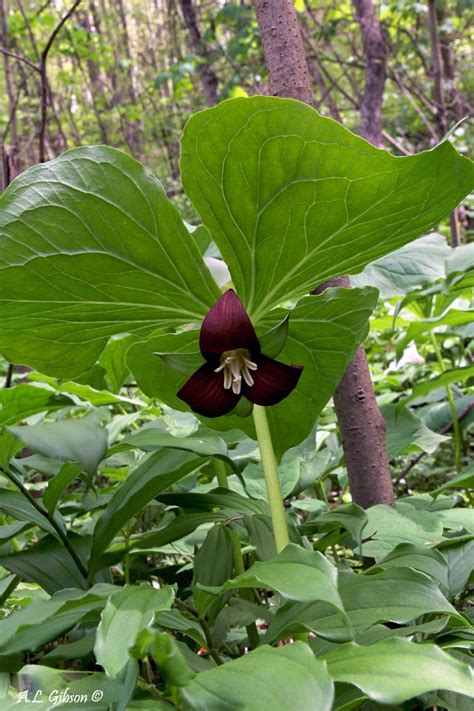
[{"x": 236, "y": 365}]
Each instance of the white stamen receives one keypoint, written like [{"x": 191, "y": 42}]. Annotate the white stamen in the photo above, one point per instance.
[{"x": 236, "y": 365}]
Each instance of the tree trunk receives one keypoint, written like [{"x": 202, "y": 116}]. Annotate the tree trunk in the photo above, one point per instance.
[
  {"x": 361, "y": 423},
  {"x": 96, "y": 87},
  {"x": 133, "y": 127},
  {"x": 375, "y": 58},
  {"x": 10, "y": 158},
  {"x": 207, "y": 75},
  {"x": 284, "y": 52},
  {"x": 441, "y": 121},
  {"x": 441, "y": 113}
]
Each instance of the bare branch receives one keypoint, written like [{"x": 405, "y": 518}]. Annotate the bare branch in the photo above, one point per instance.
[{"x": 19, "y": 58}]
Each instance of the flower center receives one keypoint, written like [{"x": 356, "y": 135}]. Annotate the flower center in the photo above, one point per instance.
[{"x": 236, "y": 365}]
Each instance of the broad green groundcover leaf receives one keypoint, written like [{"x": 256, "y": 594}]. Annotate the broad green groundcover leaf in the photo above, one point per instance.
[
  {"x": 24, "y": 400},
  {"x": 150, "y": 439},
  {"x": 406, "y": 429},
  {"x": 91, "y": 247},
  {"x": 292, "y": 198},
  {"x": 44, "y": 620},
  {"x": 79, "y": 440},
  {"x": 394, "y": 595},
  {"x": 125, "y": 615},
  {"x": 18, "y": 506},
  {"x": 49, "y": 564},
  {"x": 296, "y": 573},
  {"x": 460, "y": 557},
  {"x": 426, "y": 560},
  {"x": 418, "y": 264},
  {"x": 349, "y": 517},
  {"x": 387, "y": 527},
  {"x": 289, "y": 676},
  {"x": 395, "y": 670}
]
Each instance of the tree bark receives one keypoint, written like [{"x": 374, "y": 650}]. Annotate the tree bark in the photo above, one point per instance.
[
  {"x": 10, "y": 154},
  {"x": 361, "y": 424},
  {"x": 441, "y": 112},
  {"x": 376, "y": 59},
  {"x": 284, "y": 52},
  {"x": 207, "y": 75},
  {"x": 436, "y": 58},
  {"x": 133, "y": 127},
  {"x": 96, "y": 87}
]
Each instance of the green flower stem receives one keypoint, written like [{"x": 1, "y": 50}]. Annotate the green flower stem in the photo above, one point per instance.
[
  {"x": 272, "y": 480},
  {"x": 452, "y": 406},
  {"x": 219, "y": 468}
]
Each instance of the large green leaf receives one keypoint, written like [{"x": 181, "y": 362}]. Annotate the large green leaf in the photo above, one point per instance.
[
  {"x": 125, "y": 615},
  {"x": 49, "y": 564},
  {"x": 457, "y": 519},
  {"x": 91, "y": 247},
  {"x": 18, "y": 506},
  {"x": 296, "y": 573},
  {"x": 460, "y": 558},
  {"x": 45, "y": 620},
  {"x": 405, "y": 429},
  {"x": 387, "y": 527},
  {"x": 255, "y": 479},
  {"x": 395, "y": 595},
  {"x": 9, "y": 446},
  {"x": 150, "y": 439},
  {"x": 154, "y": 475},
  {"x": 426, "y": 560},
  {"x": 324, "y": 333},
  {"x": 213, "y": 565},
  {"x": 79, "y": 440},
  {"x": 395, "y": 670},
  {"x": 292, "y": 198},
  {"x": 24, "y": 400},
  {"x": 350, "y": 517},
  {"x": 417, "y": 264},
  {"x": 290, "y": 677}
]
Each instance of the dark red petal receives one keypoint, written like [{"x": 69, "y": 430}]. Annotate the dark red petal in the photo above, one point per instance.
[
  {"x": 205, "y": 394},
  {"x": 273, "y": 381},
  {"x": 226, "y": 327}
]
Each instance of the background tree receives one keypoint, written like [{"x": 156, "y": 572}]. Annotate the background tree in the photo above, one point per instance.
[{"x": 362, "y": 425}]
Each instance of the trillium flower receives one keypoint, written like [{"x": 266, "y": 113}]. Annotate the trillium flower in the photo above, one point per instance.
[{"x": 235, "y": 365}]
